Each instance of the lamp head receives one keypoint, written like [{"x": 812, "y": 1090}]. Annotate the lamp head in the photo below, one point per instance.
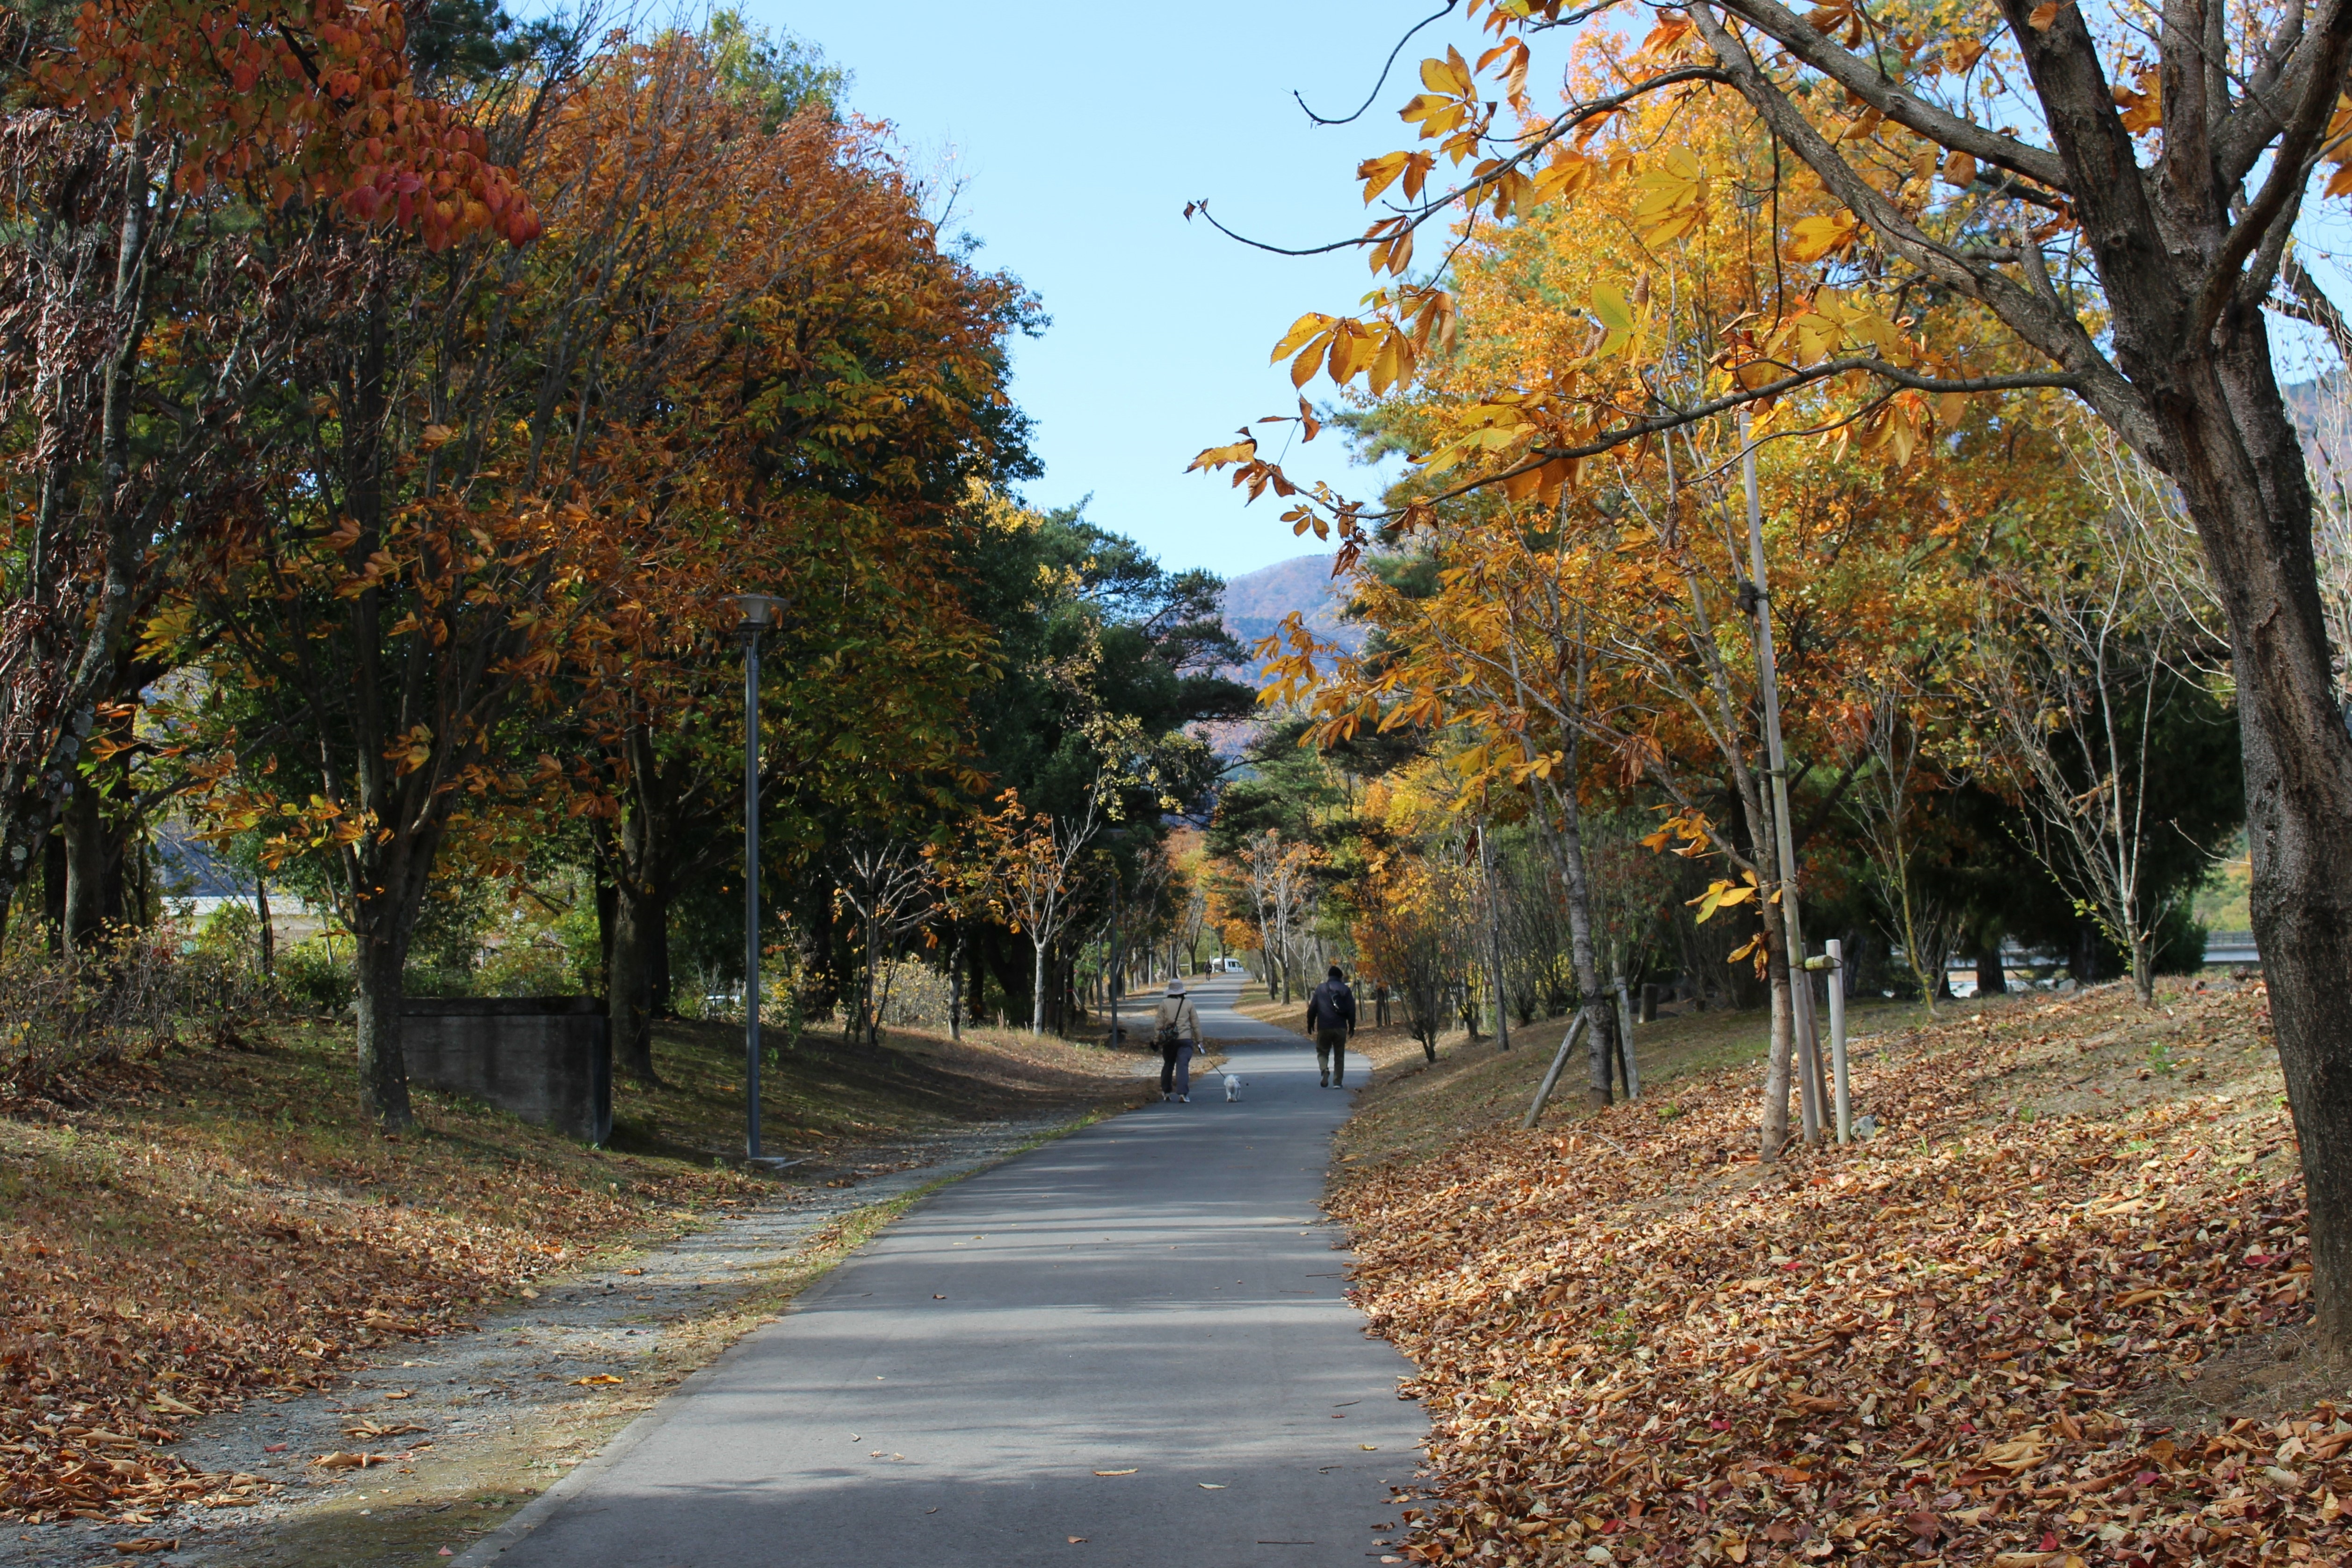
[{"x": 760, "y": 612}]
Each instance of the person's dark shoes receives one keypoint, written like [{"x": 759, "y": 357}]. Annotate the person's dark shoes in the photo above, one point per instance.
[{"x": 1324, "y": 1081}]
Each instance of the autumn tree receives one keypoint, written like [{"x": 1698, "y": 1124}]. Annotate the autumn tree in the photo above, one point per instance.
[
  {"x": 2115, "y": 196},
  {"x": 1032, "y": 862},
  {"x": 143, "y": 139}
]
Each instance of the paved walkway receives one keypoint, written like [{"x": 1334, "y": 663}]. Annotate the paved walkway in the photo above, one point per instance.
[{"x": 1151, "y": 1295}]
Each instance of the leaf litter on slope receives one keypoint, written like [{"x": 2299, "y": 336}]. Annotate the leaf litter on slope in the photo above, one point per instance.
[{"x": 1924, "y": 1348}]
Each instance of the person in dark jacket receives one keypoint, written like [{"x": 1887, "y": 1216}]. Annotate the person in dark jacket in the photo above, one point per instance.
[{"x": 1331, "y": 1018}]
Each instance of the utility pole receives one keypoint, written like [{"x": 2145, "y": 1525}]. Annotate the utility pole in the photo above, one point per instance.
[
  {"x": 1800, "y": 992},
  {"x": 760, "y": 611}
]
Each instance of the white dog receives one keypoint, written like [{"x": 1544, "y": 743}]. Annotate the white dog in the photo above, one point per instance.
[{"x": 1232, "y": 1088}]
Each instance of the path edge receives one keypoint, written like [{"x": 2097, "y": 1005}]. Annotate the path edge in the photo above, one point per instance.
[{"x": 535, "y": 1513}]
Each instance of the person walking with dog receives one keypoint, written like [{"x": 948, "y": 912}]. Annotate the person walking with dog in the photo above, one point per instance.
[
  {"x": 1331, "y": 1018},
  {"x": 1177, "y": 1032}
]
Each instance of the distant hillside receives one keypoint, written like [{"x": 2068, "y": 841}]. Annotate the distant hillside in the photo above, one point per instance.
[{"x": 1257, "y": 601}]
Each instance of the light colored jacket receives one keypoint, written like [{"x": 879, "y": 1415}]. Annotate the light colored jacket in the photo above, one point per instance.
[{"x": 1179, "y": 1011}]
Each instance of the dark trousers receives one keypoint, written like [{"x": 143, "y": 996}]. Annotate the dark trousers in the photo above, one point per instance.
[
  {"x": 1176, "y": 1069},
  {"x": 1331, "y": 1053}
]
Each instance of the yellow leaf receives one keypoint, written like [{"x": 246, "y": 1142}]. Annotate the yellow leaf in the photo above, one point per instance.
[
  {"x": 1818, "y": 336},
  {"x": 1307, "y": 326},
  {"x": 1302, "y": 369},
  {"x": 1960, "y": 170},
  {"x": 1810, "y": 239},
  {"x": 1609, "y": 304},
  {"x": 1450, "y": 75},
  {"x": 1225, "y": 456},
  {"x": 1351, "y": 350},
  {"x": 1378, "y": 174}
]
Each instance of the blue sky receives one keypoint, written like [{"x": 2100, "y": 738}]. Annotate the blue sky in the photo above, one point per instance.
[{"x": 1080, "y": 131}]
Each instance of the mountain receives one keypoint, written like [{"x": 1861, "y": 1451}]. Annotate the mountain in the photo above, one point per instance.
[{"x": 1257, "y": 601}]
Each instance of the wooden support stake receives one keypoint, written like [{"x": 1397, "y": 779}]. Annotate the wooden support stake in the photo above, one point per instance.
[{"x": 1551, "y": 1074}]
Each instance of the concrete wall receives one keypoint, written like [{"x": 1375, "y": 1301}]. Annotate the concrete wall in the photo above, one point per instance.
[{"x": 549, "y": 1060}]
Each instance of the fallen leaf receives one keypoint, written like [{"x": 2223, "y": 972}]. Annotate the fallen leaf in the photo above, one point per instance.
[
  {"x": 147, "y": 1545},
  {"x": 1212, "y": 1486},
  {"x": 1077, "y": 1541},
  {"x": 339, "y": 1461},
  {"x": 1114, "y": 1472},
  {"x": 597, "y": 1377}
]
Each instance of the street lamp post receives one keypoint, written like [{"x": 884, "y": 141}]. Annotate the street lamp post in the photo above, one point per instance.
[{"x": 760, "y": 612}]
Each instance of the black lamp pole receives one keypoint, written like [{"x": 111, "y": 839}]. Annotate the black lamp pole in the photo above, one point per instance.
[{"x": 760, "y": 612}]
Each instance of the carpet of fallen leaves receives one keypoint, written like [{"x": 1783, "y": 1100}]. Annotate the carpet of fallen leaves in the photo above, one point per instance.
[
  {"x": 152, "y": 1273},
  {"x": 1926, "y": 1348},
  {"x": 183, "y": 1234}
]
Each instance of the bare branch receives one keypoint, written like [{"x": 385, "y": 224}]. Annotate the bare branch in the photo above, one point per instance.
[{"x": 1792, "y": 33}]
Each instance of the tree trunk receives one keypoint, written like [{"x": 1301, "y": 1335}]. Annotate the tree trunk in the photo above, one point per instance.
[
  {"x": 53, "y": 889},
  {"x": 93, "y": 868},
  {"x": 628, "y": 983},
  {"x": 662, "y": 984},
  {"x": 2082, "y": 963},
  {"x": 268, "y": 932},
  {"x": 639, "y": 846},
  {"x": 1567, "y": 846},
  {"x": 1037, "y": 991},
  {"x": 1992, "y": 976},
  {"x": 1778, "y": 1061},
  {"x": 605, "y": 899},
  {"x": 2240, "y": 465},
  {"x": 383, "y": 1067},
  {"x": 955, "y": 988}
]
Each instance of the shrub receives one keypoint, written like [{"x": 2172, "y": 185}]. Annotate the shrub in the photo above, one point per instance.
[
  {"x": 527, "y": 968},
  {"x": 131, "y": 993},
  {"x": 311, "y": 973}
]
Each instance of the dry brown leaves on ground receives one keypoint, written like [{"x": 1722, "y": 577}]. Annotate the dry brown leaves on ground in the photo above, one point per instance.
[
  {"x": 1919, "y": 1350},
  {"x": 152, "y": 1273}
]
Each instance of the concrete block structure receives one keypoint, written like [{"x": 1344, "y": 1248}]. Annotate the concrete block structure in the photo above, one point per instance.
[{"x": 549, "y": 1060}]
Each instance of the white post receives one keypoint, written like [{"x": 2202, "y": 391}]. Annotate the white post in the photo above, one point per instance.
[
  {"x": 1837, "y": 1041},
  {"x": 1625, "y": 1040}
]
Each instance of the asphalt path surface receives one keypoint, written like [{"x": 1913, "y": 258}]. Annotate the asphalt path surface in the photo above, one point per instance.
[{"x": 1152, "y": 1295}]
